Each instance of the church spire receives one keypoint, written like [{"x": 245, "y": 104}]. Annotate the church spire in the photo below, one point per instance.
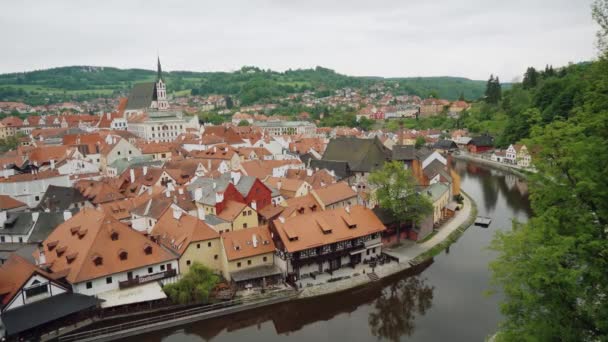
[{"x": 159, "y": 70}]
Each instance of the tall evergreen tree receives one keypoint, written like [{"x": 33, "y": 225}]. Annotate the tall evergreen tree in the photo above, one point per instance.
[{"x": 530, "y": 78}]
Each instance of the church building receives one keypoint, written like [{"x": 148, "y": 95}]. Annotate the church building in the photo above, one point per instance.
[{"x": 148, "y": 96}]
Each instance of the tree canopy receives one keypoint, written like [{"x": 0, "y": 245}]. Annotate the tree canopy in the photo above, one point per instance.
[{"x": 194, "y": 286}]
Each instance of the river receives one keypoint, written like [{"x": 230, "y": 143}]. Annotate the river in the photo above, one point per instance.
[{"x": 443, "y": 300}]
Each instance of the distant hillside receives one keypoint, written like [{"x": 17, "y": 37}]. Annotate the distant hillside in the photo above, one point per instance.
[{"x": 249, "y": 84}]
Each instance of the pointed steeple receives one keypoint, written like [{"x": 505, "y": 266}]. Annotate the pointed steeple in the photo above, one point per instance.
[{"x": 159, "y": 70}]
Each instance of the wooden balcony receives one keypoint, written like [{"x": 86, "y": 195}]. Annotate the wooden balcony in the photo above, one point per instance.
[{"x": 146, "y": 279}]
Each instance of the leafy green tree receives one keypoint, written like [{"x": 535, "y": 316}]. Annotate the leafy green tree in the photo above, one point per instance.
[
  {"x": 194, "y": 286},
  {"x": 243, "y": 123},
  {"x": 365, "y": 123},
  {"x": 600, "y": 14},
  {"x": 420, "y": 142},
  {"x": 395, "y": 190}
]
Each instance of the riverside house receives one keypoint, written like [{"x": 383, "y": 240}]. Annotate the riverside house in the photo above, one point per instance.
[{"x": 324, "y": 241}]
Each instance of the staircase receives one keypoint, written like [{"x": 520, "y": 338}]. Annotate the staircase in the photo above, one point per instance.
[{"x": 373, "y": 276}]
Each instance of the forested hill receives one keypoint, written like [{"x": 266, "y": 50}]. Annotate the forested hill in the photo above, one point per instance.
[{"x": 249, "y": 84}]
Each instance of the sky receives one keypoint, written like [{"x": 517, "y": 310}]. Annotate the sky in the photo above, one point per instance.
[{"x": 402, "y": 38}]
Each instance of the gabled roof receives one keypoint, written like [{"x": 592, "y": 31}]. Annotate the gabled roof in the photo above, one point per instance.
[
  {"x": 231, "y": 210},
  {"x": 141, "y": 96},
  {"x": 340, "y": 167},
  {"x": 482, "y": 140},
  {"x": 177, "y": 232},
  {"x": 248, "y": 242},
  {"x": 362, "y": 155},
  {"x": 98, "y": 191},
  {"x": 89, "y": 245},
  {"x": 60, "y": 198},
  {"x": 445, "y": 144},
  {"x": 335, "y": 193},
  {"x": 404, "y": 152},
  {"x": 154, "y": 208},
  {"x": 14, "y": 273}
]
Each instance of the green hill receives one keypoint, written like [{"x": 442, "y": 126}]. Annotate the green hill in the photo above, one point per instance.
[{"x": 249, "y": 84}]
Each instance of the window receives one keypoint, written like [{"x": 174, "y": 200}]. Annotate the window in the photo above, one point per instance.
[
  {"x": 162, "y": 267},
  {"x": 130, "y": 152},
  {"x": 37, "y": 198},
  {"x": 150, "y": 270},
  {"x": 209, "y": 244},
  {"x": 118, "y": 153},
  {"x": 109, "y": 280},
  {"x": 36, "y": 290},
  {"x": 129, "y": 275},
  {"x": 238, "y": 264},
  {"x": 265, "y": 259},
  {"x": 20, "y": 240},
  {"x": 198, "y": 245},
  {"x": 244, "y": 225},
  {"x": 2, "y": 238},
  {"x": 89, "y": 285},
  {"x": 215, "y": 257},
  {"x": 188, "y": 262},
  {"x": 164, "y": 155}
]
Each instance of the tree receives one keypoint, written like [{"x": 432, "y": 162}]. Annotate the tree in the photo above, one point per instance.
[
  {"x": 420, "y": 142},
  {"x": 395, "y": 191},
  {"x": 243, "y": 123},
  {"x": 229, "y": 102},
  {"x": 600, "y": 15},
  {"x": 530, "y": 78},
  {"x": 195, "y": 286},
  {"x": 493, "y": 90}
]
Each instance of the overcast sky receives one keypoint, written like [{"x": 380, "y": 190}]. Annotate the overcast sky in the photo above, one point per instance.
[{"x": 470, "y": 38}]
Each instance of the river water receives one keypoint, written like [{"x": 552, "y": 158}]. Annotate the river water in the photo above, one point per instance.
[{"x": 444, "y": 300}]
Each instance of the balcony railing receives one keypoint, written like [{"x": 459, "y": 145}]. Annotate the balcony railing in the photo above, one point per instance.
[{"x": 146, "y": 279}]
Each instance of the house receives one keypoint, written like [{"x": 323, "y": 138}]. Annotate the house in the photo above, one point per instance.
[
  {"x": 30, "y": 226},
  {"x": 31, "y": 297},
  {"x": 30, "y": 187},
  {"x": 445, "y": 146},
  {"x": 440, "y": 196},
  {"x": 248, "y": 258},
  {"x": 145, "y": 216},
  {"x": 324, "y": 241},
  {"x": 98, "y": 254},
  {"x": 239, "y": 214},
  {"x": 338, "y": 195},
  {"x": 114, "y": 149},
  {"x": 480, "y": 144},
  {"x": 518, "y": 154},
  {"x": 499, "y": 156},
  {"x": 189, "y": 237},
  {"x": 289, "y": 187}
]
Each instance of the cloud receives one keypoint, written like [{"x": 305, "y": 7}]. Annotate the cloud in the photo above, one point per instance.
[{"x": 384, "y": 38}]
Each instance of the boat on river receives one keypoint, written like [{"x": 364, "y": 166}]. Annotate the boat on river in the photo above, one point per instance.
[{"x": 483, "y": 221}]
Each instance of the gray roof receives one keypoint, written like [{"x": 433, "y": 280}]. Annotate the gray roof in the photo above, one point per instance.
[
  {"x": 244, "y": 185},
  {"x": 404, "y": 152},
  {"x": 482, "y": 140},
  {"x": 24, "y": 250},
  {"x": 146, "y": 160},
  {"x": 436, "y": 190},
  {"x": 47, "y": 222},
  {"x": 141, "y": 96},
  {"x": 60, "y": 198},
  {"x": 206, "y": 186},
  {"x": 255, "y": 273},
  {"x": 19, "y": 223},
  {"x": 362, "y": 155},
  {"x": 214, "y": 220},
  {"x": 340, "y": 168},
  {"x": 32, "y": 315},
  {"x": 436, "y": 167},
  {"x": 445, "y": 144}
]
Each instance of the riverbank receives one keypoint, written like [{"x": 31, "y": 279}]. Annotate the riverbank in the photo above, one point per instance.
[
  {"x": 406, "y": 255},
  {"x": 514, "y": 169}
]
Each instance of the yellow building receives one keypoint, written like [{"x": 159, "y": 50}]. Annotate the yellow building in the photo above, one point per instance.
[
  {"x": 248, "y": 257},
  {"x": 191, "y": 238},
  {"x": 440, "y": 196},
  {"x": 239, "y": 214}
]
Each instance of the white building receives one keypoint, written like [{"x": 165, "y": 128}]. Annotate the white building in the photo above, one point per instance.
[{"x": 274, "y": 128}]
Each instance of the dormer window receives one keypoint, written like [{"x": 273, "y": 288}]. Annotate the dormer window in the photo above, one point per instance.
[
  {"x": 114, "y": 236},
  {"x": 148, "y": 249},
  {"x": 98, "y": 260},
  {"x": 60, "y": 250},
  {"x": 74, "y": 229},
  {"x": 82, "y": 233},
  {"x": 122, "y": 254},
  {"x": 71, "y": 257},
  {"x": 52, "y": 245}
]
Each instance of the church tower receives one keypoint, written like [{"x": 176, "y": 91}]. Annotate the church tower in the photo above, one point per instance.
[{"x": 160, "y": 91}]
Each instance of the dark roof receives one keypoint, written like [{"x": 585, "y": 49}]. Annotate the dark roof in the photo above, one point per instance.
[
  {"x": 445, "y": 144},
  {"x": 404, "y": 152},
  {"x": 17, "y": 223},
  {"x": 255, "y": 273},
  {"x": 47, "y": 222},
  {"x": 44, "y": 311},
  {"x": 436, "y": 167},
  {"x": 306, "y": 158},
  {"x": 362, "y": 155},
  {"x": 141, "y": 95},
  {"x": 482, "y": 140},
  {"x": 340, "y": 168},
  {"x": 60, "y": 198}
]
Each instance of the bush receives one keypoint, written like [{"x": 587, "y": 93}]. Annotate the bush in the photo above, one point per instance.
[{"x": 195, "y": 286}]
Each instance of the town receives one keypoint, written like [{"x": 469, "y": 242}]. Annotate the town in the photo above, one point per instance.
[{"x": 109, "y": 208}]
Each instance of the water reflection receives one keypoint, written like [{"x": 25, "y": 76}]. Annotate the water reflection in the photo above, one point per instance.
[{"x": 397, "y": 308}]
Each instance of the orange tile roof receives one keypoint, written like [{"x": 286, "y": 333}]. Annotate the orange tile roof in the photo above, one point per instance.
[
  {"x": 7, "y": 202},
  {"x": 76, "y": 244},
  {"x": 44, "y": 154},
  {"x": 300, "y": 205},
  {"x": 312, "y": 230},
  {"x": 334, "y": 193},
  {"x": 231, "y": 210},
  {"x": 287, "y": 184},
  {"x": 28, "y": 177},
  {"x": 178, "y": 234},
  {"x": 98, "y": 191},
  {"x": 14, "y": 273},
  {"x": 240, "y": 244}
]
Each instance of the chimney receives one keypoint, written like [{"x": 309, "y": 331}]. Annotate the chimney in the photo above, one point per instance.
[
  {"x": 236, "y": 177},
  {"x": 108, "y": 116},
  {"x": 52, "y": 164},
  {"x": 67, "y": 215},
  {"x": 282, "y": 219},
  {"x": 214, "y": 185},
  {"x": 41, "y": 257},
  {"x": 309, "y": 172},
  {"x": 3, "y": 217},
  {"x": 180, "y": 191},
  {"x": 198, "y": 194},
  {"x": 168, "y": 193},
  {"x": 177, "y": 213},
  {"x": 254, "y": 205},
  {"x": 35, "y": 215},
  {"x": 201, "y": 213},
  {"x": 255, "y": 241},
  {"x": 347, "y": 208},
  {"x": 145, "y": 170},
  {"x": 132, "y": 174},
  {"x": 279, "y": 185}
]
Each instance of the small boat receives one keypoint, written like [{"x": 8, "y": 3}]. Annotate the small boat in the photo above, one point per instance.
[{"x": 483, "y": 221}]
